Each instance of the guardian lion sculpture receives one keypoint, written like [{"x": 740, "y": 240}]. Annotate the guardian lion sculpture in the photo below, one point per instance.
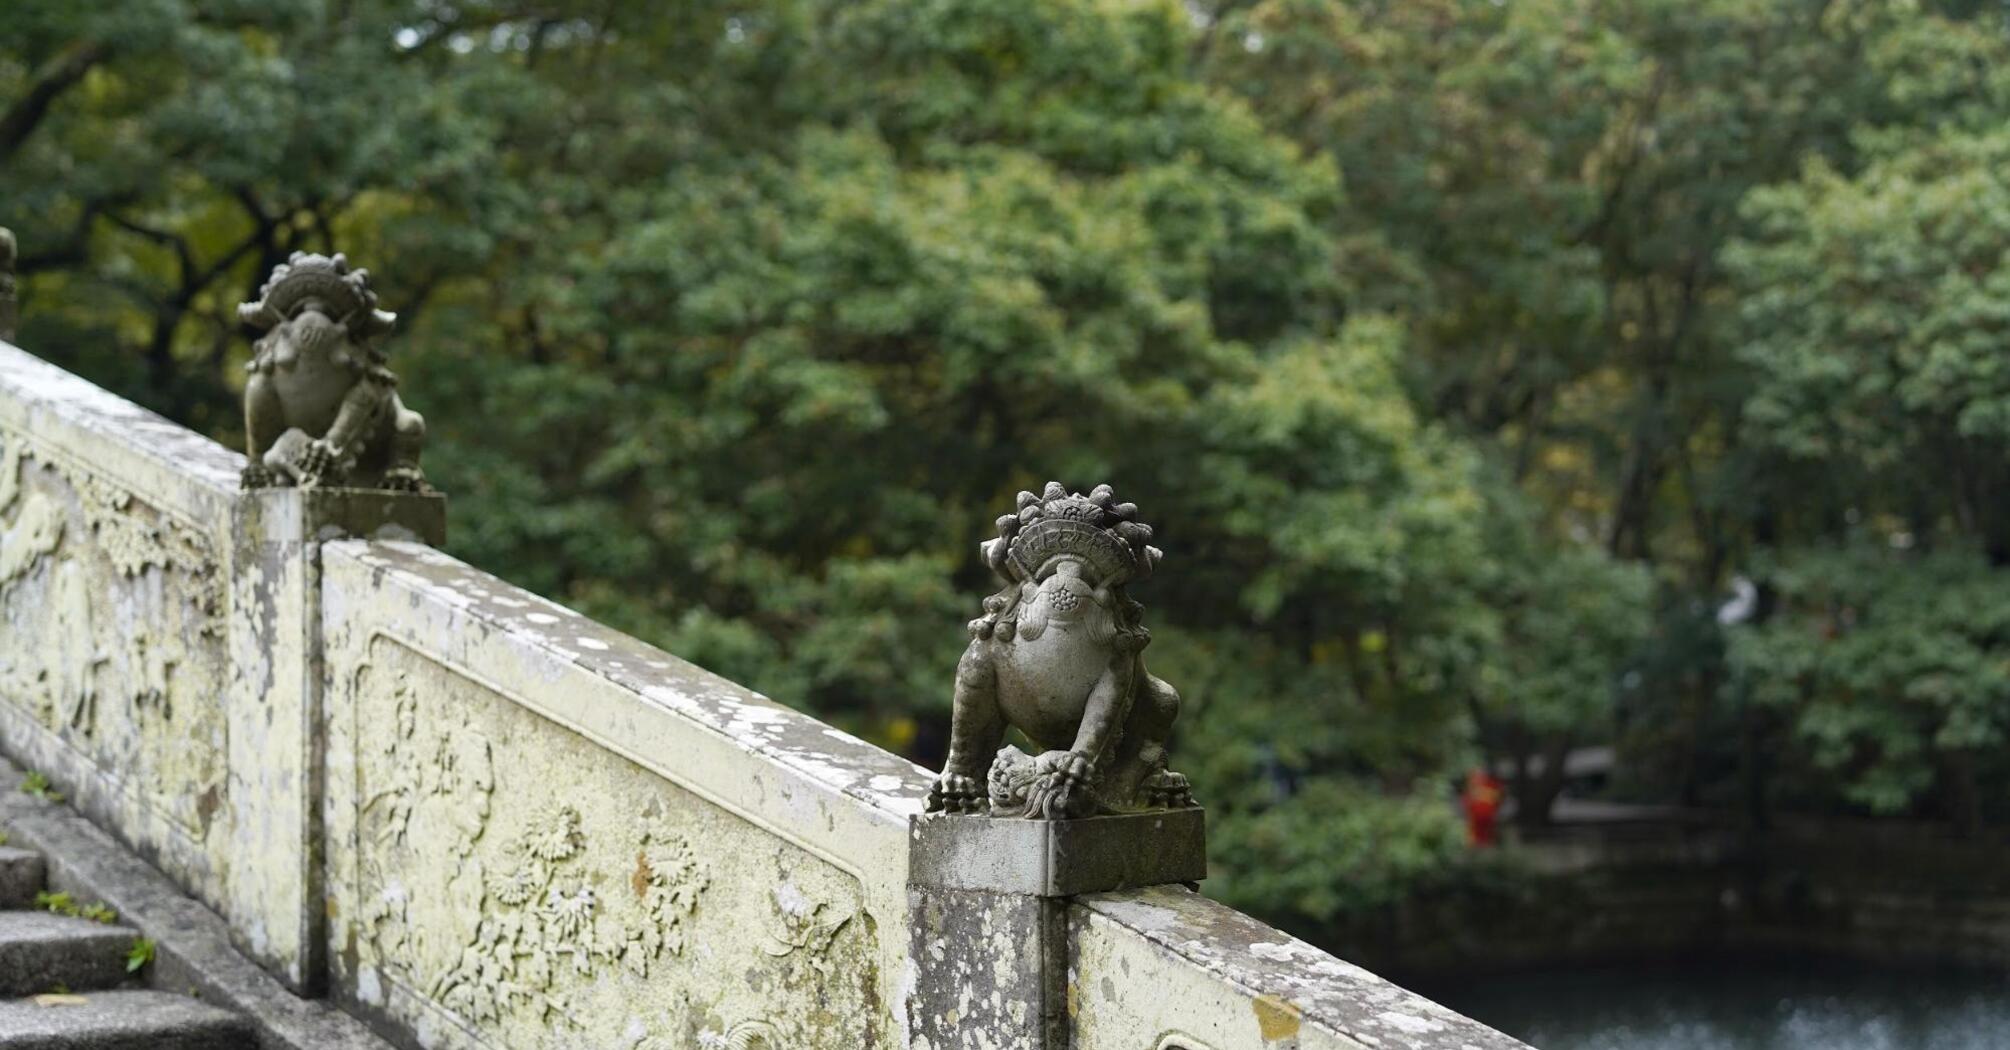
[
  {"x": 1059, "y": 655},
  {"x": 321, "y": 408}
]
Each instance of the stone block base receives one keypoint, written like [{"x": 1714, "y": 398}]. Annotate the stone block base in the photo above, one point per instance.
[
  {"x": 296, "y": 515},
  {"x": 1059, "y": 858}
]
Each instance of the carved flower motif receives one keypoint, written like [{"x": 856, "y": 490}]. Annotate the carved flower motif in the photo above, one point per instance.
[
  {"x": 675, "y": 880},
  {"x": 518, "y": 886},
  {"x": 568, "y": 914},
  {"x": 554, "y": 835}
]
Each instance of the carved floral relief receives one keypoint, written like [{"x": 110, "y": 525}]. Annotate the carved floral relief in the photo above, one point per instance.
[
  {"x": 115, "y": 614},
  {"x": 543, "y": 892}
]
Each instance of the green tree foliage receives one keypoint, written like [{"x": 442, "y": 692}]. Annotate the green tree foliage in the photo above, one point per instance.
[
  {"x": 1460, "y": 351},
  {"x": 158, "y": 156},
  {"x": 1546, "y": 186},
  {"x": 1574, "y": 619},
  {"x": 1891, "y": 670},
  {"x": 736, "y": 327},
  {"x": 1876, "y": 309},
  {"x": 1709, "y": 280}
]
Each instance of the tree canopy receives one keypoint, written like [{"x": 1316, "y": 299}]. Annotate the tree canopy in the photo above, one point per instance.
[{"x": 1463, "y": 354}]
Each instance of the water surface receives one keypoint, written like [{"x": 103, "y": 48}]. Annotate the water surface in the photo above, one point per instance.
[{"x": 1744, "y": 1007}]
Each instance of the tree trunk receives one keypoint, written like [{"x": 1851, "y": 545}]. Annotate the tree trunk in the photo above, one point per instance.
[
  {"x": 1964, "y": 796},
  {"x": 1535, "y": 794}
]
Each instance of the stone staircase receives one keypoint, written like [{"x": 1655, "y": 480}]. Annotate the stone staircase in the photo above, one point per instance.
[{"x": 65, "y": 982}]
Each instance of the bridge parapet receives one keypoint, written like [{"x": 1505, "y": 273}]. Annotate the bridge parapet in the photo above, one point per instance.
[
  {"x": 599, "y": 841},
  {"x": 115, "y": 570},
  {"x": 480, "y": 819}
]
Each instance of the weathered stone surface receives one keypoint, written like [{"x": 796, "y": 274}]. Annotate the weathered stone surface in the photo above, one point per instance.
[
  {"x": 41, "y": 952},
  {"x": 987, "y": 971},
  {"x": 125, "y": 1020},
  {"x": 21, "y": 875},
  {"x": 711, "y": 870},
  {"x": 1060, "y": 858},
  {"x": 187, "y": 474},
  {"x": 1167, "y": 967},
  {"x": 1059, "y": 656},
  {"x": 275, "y": 711},
  {"x": 300, "y": 516},
  {"x": 193, "y": 951},
  {"x": 113, "y": 603},
  {"x": 160, "y": 659}
]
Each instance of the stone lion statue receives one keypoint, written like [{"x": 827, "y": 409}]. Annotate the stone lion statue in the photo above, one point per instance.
[
  {"x": 1059, "y": 655},
  {"x": 321, "y": 408}
]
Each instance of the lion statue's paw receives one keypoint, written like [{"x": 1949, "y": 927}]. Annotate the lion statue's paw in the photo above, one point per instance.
[
  {"x": 1168, "y": 790},
  {"x": 956, "y": 793},
  {"x": 257, "y": 476},
  {"x": 406, "y": 479}
]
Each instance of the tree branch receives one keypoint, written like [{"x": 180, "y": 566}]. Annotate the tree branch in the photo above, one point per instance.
[
  {"x": 58, "y": 76},
  {"x": 73, "y": 250},
  {"x": 184, "y": 256}
]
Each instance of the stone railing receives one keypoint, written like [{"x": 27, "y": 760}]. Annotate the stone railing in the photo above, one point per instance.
[{"x": 478, "y": 819}]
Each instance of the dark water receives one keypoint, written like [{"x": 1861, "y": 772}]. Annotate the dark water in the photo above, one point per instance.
[{"x": 1744, "y": 1007}]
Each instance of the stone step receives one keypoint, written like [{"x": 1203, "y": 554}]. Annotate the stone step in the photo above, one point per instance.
[
  {"x": 128, "y": 1020},
  {"x": 21, "y": 877},
  {"x": 40, "y": 952}
]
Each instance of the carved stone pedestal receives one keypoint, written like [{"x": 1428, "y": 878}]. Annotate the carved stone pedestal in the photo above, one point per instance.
[
  {"x": 1060, "y": 858},
  {"x": 989, "y": 901},
  {"x": 298, "y": 515},
  {"x": 274, "y": 707}
]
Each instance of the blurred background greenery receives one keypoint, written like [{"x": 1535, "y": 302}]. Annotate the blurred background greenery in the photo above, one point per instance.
[{"x": 1501, "y": 376}]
